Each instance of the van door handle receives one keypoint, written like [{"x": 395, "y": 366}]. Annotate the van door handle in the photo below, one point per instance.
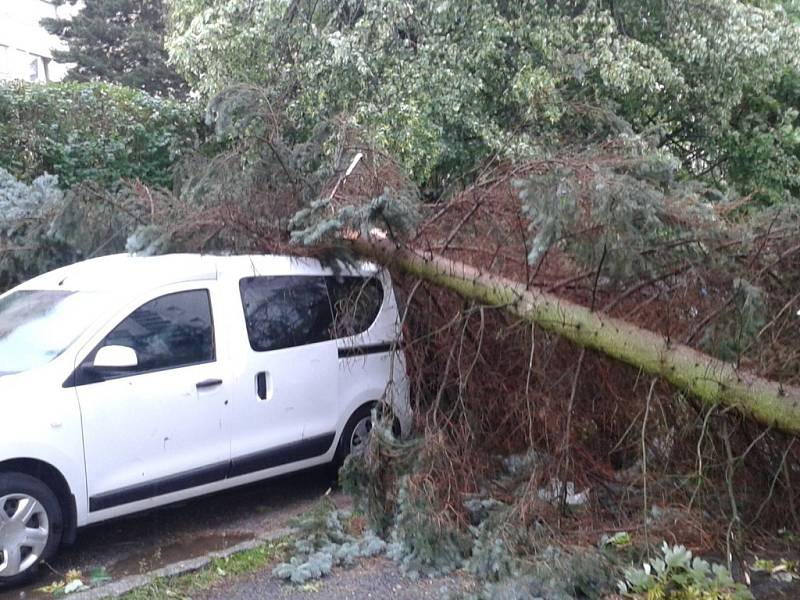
[
  {"x": 261, "y": 385},
  {"x": 208, "y": 383}
]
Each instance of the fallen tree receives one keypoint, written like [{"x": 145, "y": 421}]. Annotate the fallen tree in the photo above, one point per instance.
[
  {"x": 711, "y": 380},
  {"x": 501, "y": 291}
]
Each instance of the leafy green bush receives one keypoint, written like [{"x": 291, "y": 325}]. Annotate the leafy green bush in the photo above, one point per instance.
[
  {"x": 677, "y": 576},
  {"x": 93, "y": 132}
]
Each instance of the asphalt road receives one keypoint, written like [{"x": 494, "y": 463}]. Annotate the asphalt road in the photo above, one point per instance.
[
  {"x": 142, "y": 543},
  {"x": 377, "y": 578}
]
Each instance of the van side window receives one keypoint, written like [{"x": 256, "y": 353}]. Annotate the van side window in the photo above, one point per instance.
[
  {"x": 285, "y": 311},
  {"x": 356, "y": 302},
  {"x": 172, "y": 331}
]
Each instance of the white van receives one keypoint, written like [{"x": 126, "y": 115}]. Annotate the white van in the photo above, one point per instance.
[{"x": 128, "y": 383}]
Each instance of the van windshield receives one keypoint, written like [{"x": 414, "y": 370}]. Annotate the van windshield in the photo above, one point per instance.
[{"x": 38, "y": 325}]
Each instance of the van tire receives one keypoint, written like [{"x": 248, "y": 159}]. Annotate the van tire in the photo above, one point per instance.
[
  {"x": 356, "y": 424},
  {"x": 17, "y": 487}
]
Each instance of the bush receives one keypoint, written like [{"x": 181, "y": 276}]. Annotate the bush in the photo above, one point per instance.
[
  {"x": 93, "y": 132},
  {"x": 43, "y": 227},
  {"x": 677, "y": 575},
  {"x": 25, "y": 247}
]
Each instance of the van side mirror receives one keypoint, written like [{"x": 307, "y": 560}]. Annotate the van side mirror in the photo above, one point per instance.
[{"x": 115, "y": 357}]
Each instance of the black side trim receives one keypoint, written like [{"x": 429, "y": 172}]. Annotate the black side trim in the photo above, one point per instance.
[
  {"x": 157, "y": 487},
  {"x": 288, "y": 453},
  {"x": 364, "y": 350},
  {"x": 275, "y": 457}
]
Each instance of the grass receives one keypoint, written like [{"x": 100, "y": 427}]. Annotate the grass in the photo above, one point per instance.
[{"x": 214, "y": 573}]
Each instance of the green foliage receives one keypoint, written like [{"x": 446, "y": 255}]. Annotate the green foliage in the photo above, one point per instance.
[
  {"x": 219, "y": 570},
  {"x": 322, "y": 543},
  {"x": 675, "y": 575},
  {"x": 439, "y": 85},
  {"x": 262, "y": 150},
  {"x": 555, "y": 575},
  {"x": 92, "y": 132},
  {"x": 621, "y": 539},
  {"x": 496, "y": 551},
  {"x": 729, "y": 337},
  {"x": 620, "y": 211},
  {"x": 514, "y": 561},
  {"x": 511, "y": 561},
  {"x": 423, "y": 544},
  {"x": 762, "y": 147},
  {"x": 42, "y": 227},
  {"x": 726, "y": 59},
  {"x": 369, "y": 477},
  {"x": 118, "y": 41},
  {"x": 392, "y": 210},
  {"x": 443, "y": 85},
  {"x": 780, "y": 570},
  {"x": 21, "y": 202},
  {"x": 289, "y": 185},
  {"x": 26, "y": 248}
]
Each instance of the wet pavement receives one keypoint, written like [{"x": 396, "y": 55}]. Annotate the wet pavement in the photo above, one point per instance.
[
  {"x": 145, "y": 542},
  {"x": 370, "y": 578}
]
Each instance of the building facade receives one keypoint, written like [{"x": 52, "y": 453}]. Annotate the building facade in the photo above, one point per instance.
[{"x": 25, "y": 46}]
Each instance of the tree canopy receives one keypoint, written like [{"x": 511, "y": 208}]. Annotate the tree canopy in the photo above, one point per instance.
[
  {"x": 444, "y": 85},
  {"x": 118, "y": 41}
]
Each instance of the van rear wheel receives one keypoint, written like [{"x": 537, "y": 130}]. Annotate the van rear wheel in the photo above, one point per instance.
[
  {"x": 30, "y": 527},
  {"x": 355, "y": 435}
]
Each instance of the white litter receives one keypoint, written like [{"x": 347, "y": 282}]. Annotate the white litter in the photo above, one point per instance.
[
  {"x": 76, "y": 585},
  {"x": 556, "y": 489}
]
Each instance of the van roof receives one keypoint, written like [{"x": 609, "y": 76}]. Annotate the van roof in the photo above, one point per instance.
[{"x": 121, "y": 272}]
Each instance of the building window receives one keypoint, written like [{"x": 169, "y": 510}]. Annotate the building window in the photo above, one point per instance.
[{"x": 33, "y": 69}]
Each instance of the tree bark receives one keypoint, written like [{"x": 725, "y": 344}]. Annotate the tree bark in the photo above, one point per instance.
[{"x": 711, "y": 380}]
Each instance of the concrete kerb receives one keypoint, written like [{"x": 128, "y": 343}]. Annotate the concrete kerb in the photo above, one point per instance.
[{"x": 131, "y": 582}]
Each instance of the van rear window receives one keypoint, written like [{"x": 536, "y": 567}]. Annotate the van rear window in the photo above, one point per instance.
[
  {"x": 288, "y": 311},
  {"x": 356, "y": 302}
]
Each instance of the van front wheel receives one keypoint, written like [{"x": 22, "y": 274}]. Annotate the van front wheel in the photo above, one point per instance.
[{"x": 30, "y": 526}]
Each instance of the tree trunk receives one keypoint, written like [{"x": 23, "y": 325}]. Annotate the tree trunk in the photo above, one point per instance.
[{"x": 709, "y": 379}]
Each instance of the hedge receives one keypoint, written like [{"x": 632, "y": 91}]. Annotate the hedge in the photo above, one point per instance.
[{"x": 93, "y": 132}]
